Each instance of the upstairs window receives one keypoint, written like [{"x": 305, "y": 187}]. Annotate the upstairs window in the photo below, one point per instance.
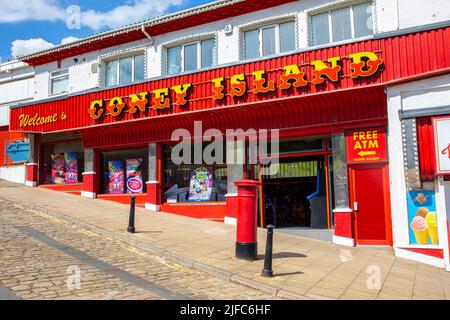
[
  {"x": 125, "y": 70},
  {"x": 269, "y": 40},
  {"x": 59, "y": 82},
  {"x": 191, "y": 56},
  {"x": 342, "y": 24}
]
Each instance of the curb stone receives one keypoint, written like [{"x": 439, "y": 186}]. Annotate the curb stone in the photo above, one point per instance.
[
  {"x": 255, "y": 285},
  {"x": 274, "y": 291}
]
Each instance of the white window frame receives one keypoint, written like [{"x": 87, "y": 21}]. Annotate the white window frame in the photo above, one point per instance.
[
  {"x": 106, "y": 61},
  {"x": 63, "y": 75},
  {"x": 277, "y": 38},
  {"x": 199, "y": 55},
  {"x": 330, "y": 23}
]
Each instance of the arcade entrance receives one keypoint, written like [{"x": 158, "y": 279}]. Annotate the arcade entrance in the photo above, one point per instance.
[{"x": 299, "y": 194}]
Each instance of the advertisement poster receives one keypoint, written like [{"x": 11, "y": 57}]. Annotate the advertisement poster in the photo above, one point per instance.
[
  {"x": 422, "y": 219},
  {"x": 115, "y": 177},
  {"x": 58, "y": 168},
  {"x": 71, "y": 167},
  {"x": 200, "y": 186},
  {"x": 134, "y": 176}
]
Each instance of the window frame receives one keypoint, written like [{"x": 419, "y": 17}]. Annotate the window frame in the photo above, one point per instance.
[
  {"x": 330, "y": 22},
  {"x": 133, "y": 66},
  {"x": 198, "y": 43},
  {"x": 260, "y": 29},
  {"x": 60, "y": 76}
]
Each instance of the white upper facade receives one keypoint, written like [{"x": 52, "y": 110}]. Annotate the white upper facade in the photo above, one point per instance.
[
  {"x": 16, "y": 86},
  {"x": 299, "y": 25}
]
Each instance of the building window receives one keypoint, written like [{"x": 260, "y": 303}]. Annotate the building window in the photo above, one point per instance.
[
  {"x": 59, "y": 82},
  {"x": 125, "y": 70},
  {"x": 269, "y": 40},
  {"x": 191, "y": 56},
  {"x": 342, "y": 24},
  {"x": 63, "y": 163},
  {"x": 190, "y": 182},
  {"x": 125, "y": 171}
]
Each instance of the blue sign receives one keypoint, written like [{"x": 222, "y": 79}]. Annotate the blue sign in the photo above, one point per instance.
[{"x": 18, "y": 151}]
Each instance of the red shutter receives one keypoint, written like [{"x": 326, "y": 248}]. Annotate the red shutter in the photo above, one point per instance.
[{"x": 426, "y": 148}]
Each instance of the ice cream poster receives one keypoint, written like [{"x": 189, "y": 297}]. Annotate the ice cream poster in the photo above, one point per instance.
[
  {"x": 200, "y": 185},
  {"x": 71, "y": 167},
  {"x": 422, "y": 219},
  {"x": 116, "y": 182},
  {"x": 134, "y": 176},
  {"x": 58, "y": 168}
]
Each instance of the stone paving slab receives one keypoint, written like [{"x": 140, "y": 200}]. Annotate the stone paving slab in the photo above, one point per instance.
[
  {"x": 303, "y": 268},
  {"x": 44, "y": 257}
]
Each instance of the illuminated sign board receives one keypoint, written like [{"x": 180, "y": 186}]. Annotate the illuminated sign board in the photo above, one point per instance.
[{"x": 366, "y": 145}]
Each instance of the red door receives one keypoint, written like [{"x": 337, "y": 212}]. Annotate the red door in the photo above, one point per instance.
[{"x": 371, "y": 204}]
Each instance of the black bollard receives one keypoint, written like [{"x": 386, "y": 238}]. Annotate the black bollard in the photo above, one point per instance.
[
  {"x": 267, "y": 271},
  {"x": 131, "y": 222}
]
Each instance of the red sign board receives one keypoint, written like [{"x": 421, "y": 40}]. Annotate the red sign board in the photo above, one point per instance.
[{"x": 366, "y": 145}]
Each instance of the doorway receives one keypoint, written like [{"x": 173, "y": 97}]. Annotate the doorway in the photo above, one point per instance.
[
  {"x": 369, "y": 195},
  {"x": 297, "y": 195}
]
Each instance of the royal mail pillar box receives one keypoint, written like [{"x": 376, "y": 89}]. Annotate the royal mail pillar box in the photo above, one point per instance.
[{"x": 246, "y": 235}]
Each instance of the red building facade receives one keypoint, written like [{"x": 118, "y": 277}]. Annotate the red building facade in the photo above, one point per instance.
[{"x": 333, "y": 98}]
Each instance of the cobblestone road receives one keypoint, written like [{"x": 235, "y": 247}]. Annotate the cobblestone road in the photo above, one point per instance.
[{"x": 42, "y": 257}]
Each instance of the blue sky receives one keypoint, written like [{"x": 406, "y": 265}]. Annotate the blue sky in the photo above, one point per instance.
[{"x": 27, "y": 25}]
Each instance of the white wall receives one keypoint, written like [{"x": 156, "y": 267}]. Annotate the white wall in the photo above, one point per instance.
[
  {"x": 16, "y": 85},
  {"x": 407, "y": 97},
  {"x": 13, "y": 173}
]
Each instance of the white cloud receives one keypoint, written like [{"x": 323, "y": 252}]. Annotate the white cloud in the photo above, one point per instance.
[
  {"x": 52, "y": 10},
  {"x": 138, "y": 10},
  {"x": 69, "y": 40},
  {"x": 23, "y": 10},
  {"x": 21, "y": 47}
]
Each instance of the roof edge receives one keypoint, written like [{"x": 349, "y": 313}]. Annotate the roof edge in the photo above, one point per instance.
[{"x": 132, "y": 27}]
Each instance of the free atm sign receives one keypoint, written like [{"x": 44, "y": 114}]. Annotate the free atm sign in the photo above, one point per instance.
[{"x": 366, "y": 145}]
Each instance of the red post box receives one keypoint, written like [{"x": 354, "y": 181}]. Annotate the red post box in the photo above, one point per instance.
[{"x": 246, "y": 235}]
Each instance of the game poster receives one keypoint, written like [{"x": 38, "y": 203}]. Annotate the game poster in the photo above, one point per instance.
[
  {"x": 58, "y": 168},
  {"x": 135, "y": 183},
  {"x": 71, "y": 167},
  {"x": 200, "y": 186},
  {"x": 116, "y": 182}
]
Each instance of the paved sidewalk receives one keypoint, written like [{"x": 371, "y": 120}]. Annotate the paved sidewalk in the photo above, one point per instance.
[{"x": 303, "y": 268}]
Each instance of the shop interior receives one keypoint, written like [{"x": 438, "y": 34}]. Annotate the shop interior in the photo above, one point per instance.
[{"x": 299, "y": 194}]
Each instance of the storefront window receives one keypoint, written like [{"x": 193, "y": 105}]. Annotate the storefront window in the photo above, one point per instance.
[
  {"x": 63, "y": 163},
  {"x": 190, "y": 182},
  {"x": 125, "y": 171}
]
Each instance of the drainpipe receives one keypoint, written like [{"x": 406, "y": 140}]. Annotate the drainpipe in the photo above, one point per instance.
[{"x": 147, "y": 34}]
